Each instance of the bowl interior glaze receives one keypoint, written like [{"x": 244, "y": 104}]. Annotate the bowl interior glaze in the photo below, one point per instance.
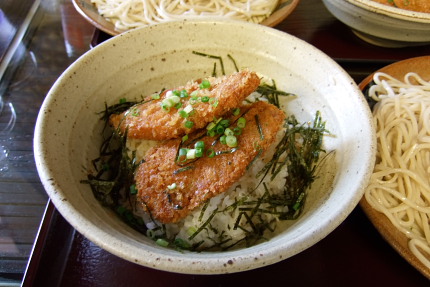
[{"x": 142, "y": 61}]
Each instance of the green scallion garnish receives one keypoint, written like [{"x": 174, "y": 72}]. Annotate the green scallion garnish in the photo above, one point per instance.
[
  {"x": 210, "y": 153},
  {"x": 162, "y": 242},
  {"x": 205, "y": 84},
  {"x": 183, "y": 94},
  {"x": 189, "y": 124},
  {"x": 183, "y": 114},
  {"x": 199, "y": 145},
  {"x": 231, "y": 141},
  {"x": 133, "y": 189},
  {"x": 241, "y": 122},
  {"x": 213, "y": 102}
]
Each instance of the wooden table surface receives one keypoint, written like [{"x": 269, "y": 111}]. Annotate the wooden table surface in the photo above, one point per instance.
[{"x": 354, "y": 254}]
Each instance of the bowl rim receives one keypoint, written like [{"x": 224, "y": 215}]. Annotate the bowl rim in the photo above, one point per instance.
[
  {"x": 274, "y": 254},
  {"x": 390, "y": 11}
]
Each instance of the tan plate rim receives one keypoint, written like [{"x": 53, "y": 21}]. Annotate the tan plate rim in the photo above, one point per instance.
[
  {"x": 89, "y": 12},
  {"x": 394, "y": 237}
]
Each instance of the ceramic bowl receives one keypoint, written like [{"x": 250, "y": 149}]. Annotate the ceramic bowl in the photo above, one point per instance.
[
  {"x": 382, "y": 25},
  {"x": 141, "y": 61}
]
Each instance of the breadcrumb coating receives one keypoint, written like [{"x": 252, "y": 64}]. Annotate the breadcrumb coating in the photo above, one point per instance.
[
  {"x": 205, "y": 177},
  {"x": 150, "y": 121}
]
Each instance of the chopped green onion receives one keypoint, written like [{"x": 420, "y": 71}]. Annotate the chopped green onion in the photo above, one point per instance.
[
  {"x": 183, "y": 94},
  {"x": 155, "y": 96},
  {"x": 212, "y": 133},
  {"x": 231, "y": 141},
  {"x": 188, "y": 109},
  {"x": 165, "y": 106},
  {"x": 199, "y": 152},
  {"x": 298, "y": 202},
  {"x": 205, "y": 99},
  {"x": 194, "y": 100},
  {"x": 182, "y": 244},
  {"x": 162, "y": 242},
  {"x": 223, "y": 139},
  {"x": 133, "y": 189},
  {"x": 174, "y": 92},
  {"x": 236, "y": 112},
  {"x": 171, "y": 100},
  {"x": 219, "y": 129},
  {"x": 237, "y": 131},
  {"x": 225, "y": 123},
  {"x": 191, "y": 230},
  {"x": 122, "y": 100},
  {"x": 172, "y": 186},
  {"x": 182, "y": 154},
  {"x": 183, "y": 114},
  {"x": 174, "y": 99},
  {"x": 194, "y": 93},
  {"x": 210, "y": 153},
  {"x": 210, "y": 126},
  {"x": 205, "y": 84},
  {"x": 135, "y": 112},
  {"x": 213, "y": 102},
  {"x": 184, "y": 138},
  {"x": 241, "y": 122},
  {"x": 199, "y": 145},
  {"x": 228, "y": 132},
  {"x": 191, "y": 154},
  {"x": 189, "y": 124}
]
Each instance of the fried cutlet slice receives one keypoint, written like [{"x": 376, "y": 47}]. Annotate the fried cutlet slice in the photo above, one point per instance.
[
  {"x": 206, "y": 177},
  {"x": 152, "y": 120}
]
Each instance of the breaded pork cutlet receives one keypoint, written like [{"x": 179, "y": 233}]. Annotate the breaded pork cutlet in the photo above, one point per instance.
[
  {"x": 186, "y": 109},
  {"x": 170, "y": 192}
]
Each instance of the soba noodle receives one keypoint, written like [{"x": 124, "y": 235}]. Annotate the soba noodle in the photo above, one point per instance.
[
  {"x": 129, "y": 14},
  {"x": 400, "y": 184}
]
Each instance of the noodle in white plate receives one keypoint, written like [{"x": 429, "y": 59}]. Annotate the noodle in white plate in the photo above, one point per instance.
[
  {"x": 129, "y": 14},
  {"x": 400, "y": 184}
]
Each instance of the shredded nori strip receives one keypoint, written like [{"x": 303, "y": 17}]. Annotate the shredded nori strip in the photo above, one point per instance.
[
  {"x": 114, "y": 171},
  {"x": 219, "y": 58},
  {"x": 271, "y": 93}
]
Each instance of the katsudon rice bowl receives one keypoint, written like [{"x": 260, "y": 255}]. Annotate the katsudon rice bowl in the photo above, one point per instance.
[{"x": 184, "y": 230}]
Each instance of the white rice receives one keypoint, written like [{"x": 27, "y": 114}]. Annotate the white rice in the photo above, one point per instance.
[{"x": 223, "y": 222}]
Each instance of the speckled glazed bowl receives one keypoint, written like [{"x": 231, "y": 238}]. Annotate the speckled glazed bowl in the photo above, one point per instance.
[
  {"x": 382, "y": 25},
  {"x": 142, "y": 61}
]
